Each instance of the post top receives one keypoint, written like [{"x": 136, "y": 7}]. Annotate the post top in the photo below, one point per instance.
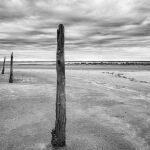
[{"x": 61, "y": 26}]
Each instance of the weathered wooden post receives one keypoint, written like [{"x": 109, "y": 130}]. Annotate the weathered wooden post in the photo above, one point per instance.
[
  {"x": 59, "y": 133},
  {"x": 11, "y": 69},
  {"x": 3, "y": 70}
]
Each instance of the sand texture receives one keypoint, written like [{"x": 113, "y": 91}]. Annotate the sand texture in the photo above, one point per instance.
[{"x": 107, "y": 109}]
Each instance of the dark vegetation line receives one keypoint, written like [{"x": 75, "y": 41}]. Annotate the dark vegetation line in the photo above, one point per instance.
[{"x": 20, "y": 63}]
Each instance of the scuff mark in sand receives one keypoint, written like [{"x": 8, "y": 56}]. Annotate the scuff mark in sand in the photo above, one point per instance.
[{"x": 123, "y": 76}]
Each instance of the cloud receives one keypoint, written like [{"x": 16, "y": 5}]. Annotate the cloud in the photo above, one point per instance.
[{"x": 90, "y": 25}]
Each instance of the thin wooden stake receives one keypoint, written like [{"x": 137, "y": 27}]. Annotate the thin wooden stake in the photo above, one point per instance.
[
  {"x": 11, "y": 69},
  {"x": 3, "y": 70},
  {"x": 59, "y": 133}
]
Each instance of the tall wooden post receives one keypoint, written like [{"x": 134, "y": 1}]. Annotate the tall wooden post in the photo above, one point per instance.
[
  {"x": 3, "y": 70},
  {"x": 59, "y": 133},
  {"x": 11, "y": 69}
]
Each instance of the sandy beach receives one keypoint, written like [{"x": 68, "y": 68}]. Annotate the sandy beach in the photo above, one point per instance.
[{"x": 107, "y": 108}]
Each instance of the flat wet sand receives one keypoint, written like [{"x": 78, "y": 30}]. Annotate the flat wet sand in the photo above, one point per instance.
[{"x": 107, "y": 108}]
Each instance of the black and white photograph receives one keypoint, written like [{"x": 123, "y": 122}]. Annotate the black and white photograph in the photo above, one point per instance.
[{"x": 74, "y": 74}]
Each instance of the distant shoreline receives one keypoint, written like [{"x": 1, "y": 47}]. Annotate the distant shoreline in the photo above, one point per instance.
[
  {"x": 109, "y": 67},
  {"x": 79, "y": 63}
]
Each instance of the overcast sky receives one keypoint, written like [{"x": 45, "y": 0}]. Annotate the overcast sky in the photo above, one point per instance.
[{"x": 95, "y": 29}]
